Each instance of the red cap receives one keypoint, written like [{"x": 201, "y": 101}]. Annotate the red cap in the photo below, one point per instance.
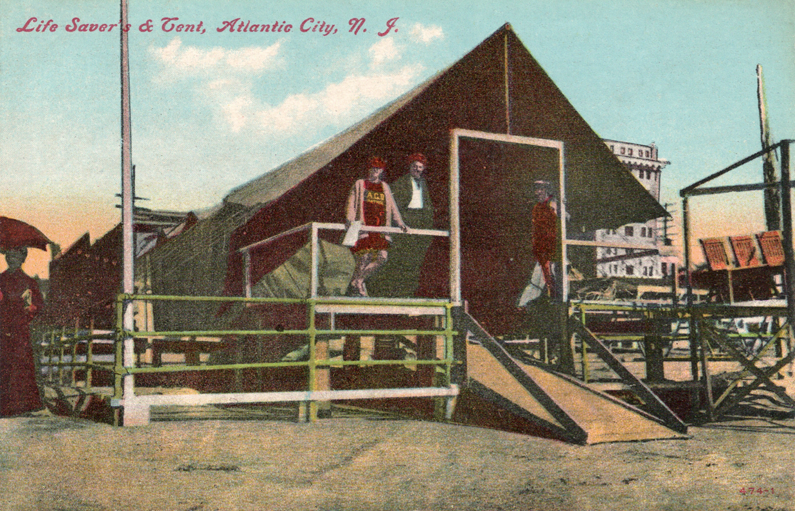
[
  {"x": 417, "y": 157},
  {"x": 376, "y": 162}
]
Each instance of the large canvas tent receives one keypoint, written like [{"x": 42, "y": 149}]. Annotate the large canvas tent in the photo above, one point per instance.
[{"x": 497, "y": 88}]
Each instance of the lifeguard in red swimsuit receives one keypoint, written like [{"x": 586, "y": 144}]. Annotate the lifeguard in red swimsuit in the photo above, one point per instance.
[{"x": 371, "y": 203}]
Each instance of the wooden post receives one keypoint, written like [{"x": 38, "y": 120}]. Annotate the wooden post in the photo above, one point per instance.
[
  {"x": 707, "y": 378},
  {"x": 127, "y": 207},
  {"x": 310, "y": 409},
  {"x": 322, "y": 377},
  {"x": 545, "y": 343},
  {"x": 192, "y": 352},
  {"x": 455, "y": 225},
  {"x": 73, "y": 368},
  {"x": 771, "y": 201},
  {"x": 786, "y": 234},
  {"x": 61, "y": 342},
  {"x": 689, "y": 284},
  {"x": 585, "y": 365},
  {"x": 90, "y": 357},
  {"x": 314, "y": 250},
  {"x": 247, "y": 270},
  {"x": 565, "y": 342},
  {"x": 50, "y": 354},
  {"x": 655, "y": 368},
  {"x": 239, "y": 346}
]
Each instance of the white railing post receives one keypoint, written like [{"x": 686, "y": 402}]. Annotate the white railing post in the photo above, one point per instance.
[{"x": 314, "y": 256}]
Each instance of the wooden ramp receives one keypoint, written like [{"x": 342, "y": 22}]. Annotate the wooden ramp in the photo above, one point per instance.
[{"x": 556, "y": 403}]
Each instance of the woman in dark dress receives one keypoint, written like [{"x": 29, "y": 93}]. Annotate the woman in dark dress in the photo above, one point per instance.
[{"x": 20, "y": 301}]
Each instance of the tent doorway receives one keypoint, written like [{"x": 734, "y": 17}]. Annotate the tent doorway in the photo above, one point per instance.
[{"x": 491, "y": 200}]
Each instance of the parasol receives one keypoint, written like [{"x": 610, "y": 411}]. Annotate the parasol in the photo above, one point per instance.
[{"x": 17, "y": 234}]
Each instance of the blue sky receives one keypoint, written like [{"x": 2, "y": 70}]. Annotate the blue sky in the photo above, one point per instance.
[{"x": 214, "y": 110}]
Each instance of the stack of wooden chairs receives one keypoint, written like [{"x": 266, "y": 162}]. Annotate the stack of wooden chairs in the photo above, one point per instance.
[{"x": 742, "y": 268}]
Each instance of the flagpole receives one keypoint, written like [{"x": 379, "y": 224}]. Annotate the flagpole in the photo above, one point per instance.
[{"x": 127, "y": 186}]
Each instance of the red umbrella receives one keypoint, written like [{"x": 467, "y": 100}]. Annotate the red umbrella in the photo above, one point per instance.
[{"x": 17, "y": 234}]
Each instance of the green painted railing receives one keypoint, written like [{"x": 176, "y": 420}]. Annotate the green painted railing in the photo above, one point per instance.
[{"x": 56, "y": 345}]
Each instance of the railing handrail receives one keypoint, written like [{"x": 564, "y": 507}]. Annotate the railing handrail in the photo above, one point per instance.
[
  {"x": 412, "y": 302},
  {"x": 341, "y": 227}
]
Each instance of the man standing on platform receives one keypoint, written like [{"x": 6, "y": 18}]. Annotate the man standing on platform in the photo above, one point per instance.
[
  {"x": 545, "y": 234},
  {"x": 407, "y": 255}
]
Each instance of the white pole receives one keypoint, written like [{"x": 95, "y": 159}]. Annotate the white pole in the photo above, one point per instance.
[
  {"x": 455, "y": 223},
  {"x": 564, "y": 258},
  {"x": 247, "y": 266},
  {"x": 314, "y": 251},
  {"x": 127, "y": 186}
]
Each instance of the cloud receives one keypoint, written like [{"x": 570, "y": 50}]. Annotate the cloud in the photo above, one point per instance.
[
  {"x": 227, "y": 85},
  {"x": 179, "y": 60},
  {"x": 235, "y": 111},
  {"x": 254, "y": 58},
  {"x": 383, "y": 51},
  {"x": 426, "y": 35},
  {"x": 339, "y": 102}
]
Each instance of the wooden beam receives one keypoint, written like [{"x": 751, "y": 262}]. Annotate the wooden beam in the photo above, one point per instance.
[
  {"x": 455, "y": 221},
  {"x": 466, "y": 322},
  {"x": 772, "y": 203},
  {"x": 707, "y": 379},
  {"x": 736, "y": 188},
  {"x": 754, "y": 360},
  {"x": 608, "y": 244},
  {"x": 786, "y": 233},
  {"x": 623, "y": 257},
  {"x": 654, "y": 403},
  {"x": 686, "y": 192},
  {"x": 762, "y": 377},
  {"x": 744, "y": 391},
  {"x": 486, "y": 393}
]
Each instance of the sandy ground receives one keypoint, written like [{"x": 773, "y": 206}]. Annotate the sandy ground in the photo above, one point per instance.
[{"x": 370, "y": 463}]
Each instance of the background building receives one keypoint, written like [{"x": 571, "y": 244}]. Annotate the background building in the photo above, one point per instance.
[{"x": 645, "y": 164}]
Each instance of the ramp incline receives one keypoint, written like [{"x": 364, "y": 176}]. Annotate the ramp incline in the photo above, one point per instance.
[{"x": 560, "y": 404}]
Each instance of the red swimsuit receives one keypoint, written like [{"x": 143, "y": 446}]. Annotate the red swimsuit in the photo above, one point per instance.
[{"x": 374, "y": 215}]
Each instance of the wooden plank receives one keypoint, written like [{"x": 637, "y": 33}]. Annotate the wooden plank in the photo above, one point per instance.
[
  {"x": 555, "y": 399},
  {"x": 487, "y": 372},
  {"x": 403, "y": 310},
  {"x": 603, "y": 417},
  {"x": 283, "y": 397},
  {"x": 707, "y": 380},
  {"x": 465, "y": 322},
  {"x": 733, "y": 189},
  {"x": 498, "y": 399},
  {"x": 655, "y": 405}
]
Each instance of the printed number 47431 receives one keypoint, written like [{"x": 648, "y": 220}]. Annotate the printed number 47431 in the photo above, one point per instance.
[{"x": 753, "y": 490}]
